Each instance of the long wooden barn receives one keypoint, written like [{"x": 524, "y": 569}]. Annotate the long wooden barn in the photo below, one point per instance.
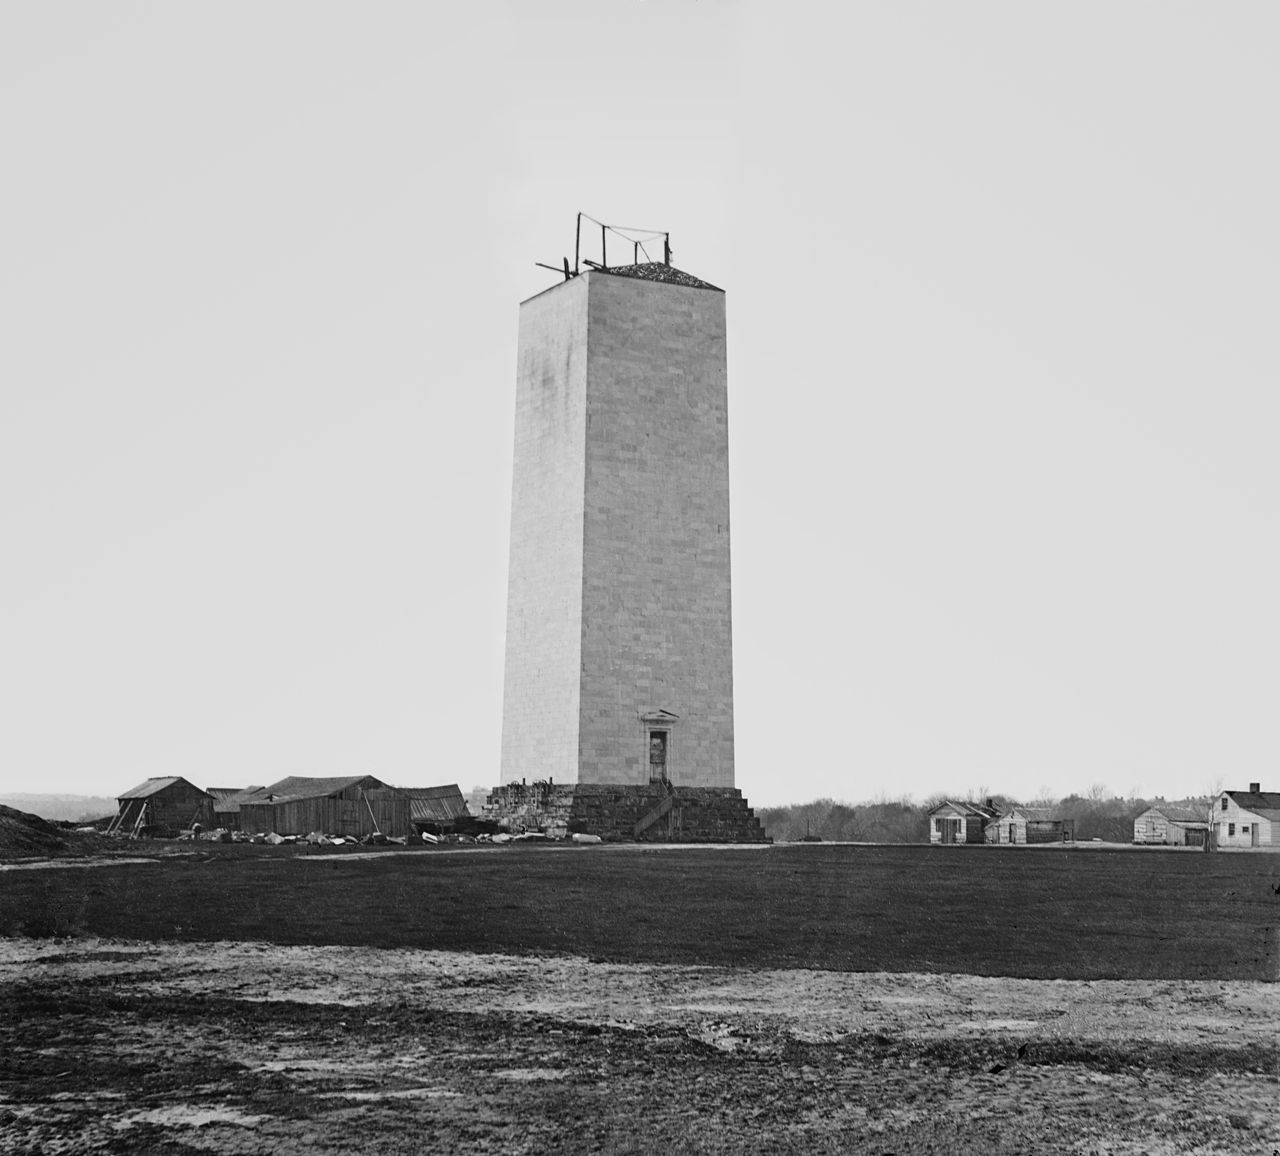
[{"x": 355, "y": 805}]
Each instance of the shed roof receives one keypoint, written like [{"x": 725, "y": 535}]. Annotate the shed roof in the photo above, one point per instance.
[
  {"x": 1178, "y": 814},
  {"x": 435, "y": 803},
  {"x": 971, "y": 810},
  {"x": 155, "y": 785},
  {"x": 227, "y": 800},
  {"x": 1031, "y": 814},
  {"x": 295, "y": 787}
]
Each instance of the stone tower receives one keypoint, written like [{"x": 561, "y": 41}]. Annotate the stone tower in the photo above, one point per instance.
[{"x": 619, "y": 662}]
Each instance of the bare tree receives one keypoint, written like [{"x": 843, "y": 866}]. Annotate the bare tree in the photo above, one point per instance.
[{"x": 1211, "y": 835}]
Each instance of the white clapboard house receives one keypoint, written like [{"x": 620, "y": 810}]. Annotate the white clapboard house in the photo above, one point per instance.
[{"x": 1247, "y": 818}]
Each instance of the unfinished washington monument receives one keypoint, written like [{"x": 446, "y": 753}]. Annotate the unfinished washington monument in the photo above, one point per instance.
[{"x": 618, "y": 693}]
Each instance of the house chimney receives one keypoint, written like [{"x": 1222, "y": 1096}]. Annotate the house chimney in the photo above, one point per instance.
[
  {"x": 1255, "y": 788},
  {"x": 991, "y": 804}
]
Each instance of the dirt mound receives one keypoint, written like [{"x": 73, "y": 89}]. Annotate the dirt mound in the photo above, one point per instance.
[{"x": 22, "y": 834}]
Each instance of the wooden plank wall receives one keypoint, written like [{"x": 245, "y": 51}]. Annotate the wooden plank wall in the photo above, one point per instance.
[{"x": 346, "y": 815}]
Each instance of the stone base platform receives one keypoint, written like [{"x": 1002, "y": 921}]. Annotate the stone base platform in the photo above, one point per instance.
[{"x": 652, "y": 813}]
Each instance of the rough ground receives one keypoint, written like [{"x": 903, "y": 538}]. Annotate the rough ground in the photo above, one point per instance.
[
  {"x": 128, "y": 1047},
  {"x": 22, "y": 833},
  {"x": 28, "y": 837}
]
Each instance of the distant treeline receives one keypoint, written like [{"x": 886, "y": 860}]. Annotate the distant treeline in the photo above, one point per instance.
[
  {"x": 906, "y": 821},
  {"x": 900, "y": 821}
]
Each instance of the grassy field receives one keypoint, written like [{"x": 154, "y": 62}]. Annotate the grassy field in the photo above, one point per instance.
[{"x": 1032, "y": 913}]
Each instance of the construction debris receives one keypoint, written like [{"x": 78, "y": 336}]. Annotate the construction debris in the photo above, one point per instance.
[{"x": 656, "y": 271}]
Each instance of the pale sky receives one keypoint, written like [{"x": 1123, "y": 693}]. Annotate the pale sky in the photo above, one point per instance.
[{"x": 1003, "y": 361}]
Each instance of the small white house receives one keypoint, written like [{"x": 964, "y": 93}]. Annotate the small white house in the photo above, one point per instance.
[
  {"x": 959, "y": 822},
  {"x": 1171, "y": 827},
  {"x": 1247, "y": 818}
]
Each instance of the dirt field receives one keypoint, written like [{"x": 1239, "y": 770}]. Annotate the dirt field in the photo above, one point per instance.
[
  {"x": 177, "y": 1043},
  {"x": 131, "y": 1048}
]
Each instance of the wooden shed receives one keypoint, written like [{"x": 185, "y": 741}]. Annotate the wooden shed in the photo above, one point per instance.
[
  {"x": 1020, "y": 824},
  {"x": 162, "y": 806},
  {"x": 226, "y": 805},
  {"x": 435, "y": 809},
  {"x": 1167, "y": 826},
  {"x": 355, "y": 805},
  {"x": 959, "y": 822}
]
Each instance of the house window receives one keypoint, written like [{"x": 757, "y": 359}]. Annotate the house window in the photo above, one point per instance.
[
  {"x": 1231, "y": 828},
  {"x": 1224, "y": 802},
  {"x": 1244, "y": 830}
]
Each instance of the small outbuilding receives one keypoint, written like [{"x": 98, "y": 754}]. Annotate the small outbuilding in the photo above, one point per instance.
[
  {"x": 1020, "y": 824},
  {"x": 1166, "y": 826},
  {"x": 960, "y": 822},
  {"x": 353, "y": 805},
  {"x": 226, "y": 805},
  {"x": 435, "y": 809},
  {"x": 162, "y": 806},
  {"x": 1247, "y": 818}
]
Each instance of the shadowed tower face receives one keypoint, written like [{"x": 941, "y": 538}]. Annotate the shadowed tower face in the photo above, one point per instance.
[{"x": 619, "y": 664}]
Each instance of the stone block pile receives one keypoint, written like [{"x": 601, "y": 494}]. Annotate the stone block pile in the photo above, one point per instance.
[{"x": 696, "y": 814}]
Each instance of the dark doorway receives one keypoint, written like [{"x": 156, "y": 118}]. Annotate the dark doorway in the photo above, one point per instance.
[{"x": 658, "y": 756}]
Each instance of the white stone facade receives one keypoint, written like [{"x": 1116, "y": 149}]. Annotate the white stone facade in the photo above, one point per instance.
[
  {"x": 542, "y": 682},
  {"x": 618, "y": 620}
]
